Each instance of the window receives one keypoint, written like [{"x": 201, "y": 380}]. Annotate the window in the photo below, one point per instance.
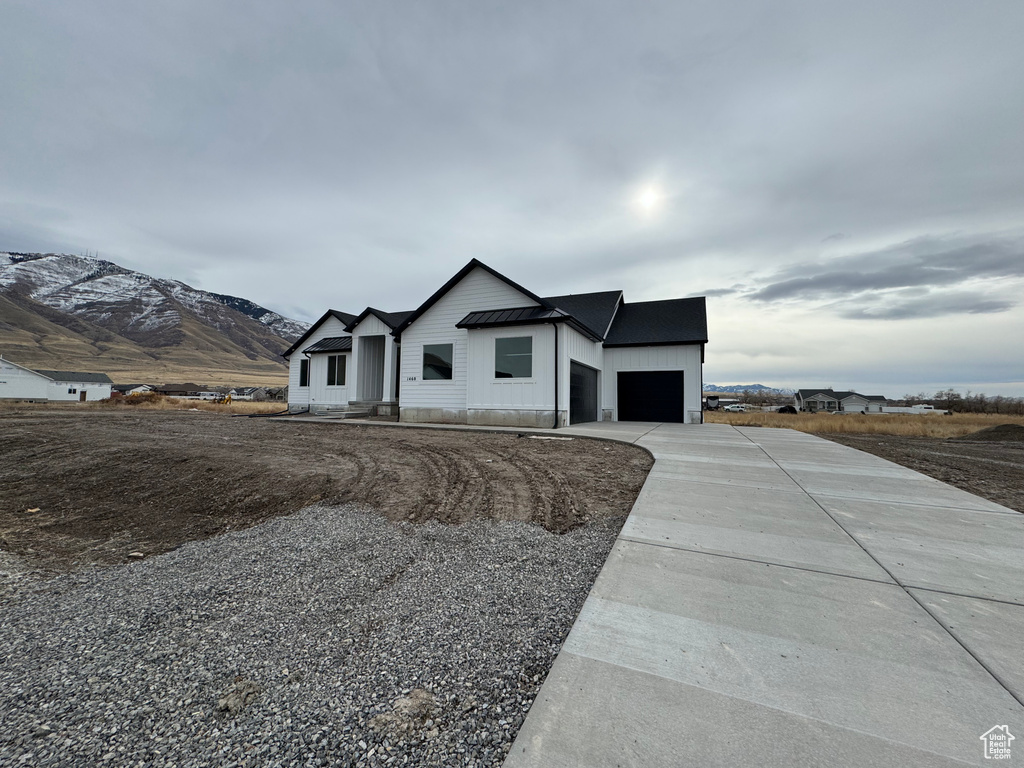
[
  {"x": 72, "y": 391},
  {"x": 513, "y": 358},
  {"x": 304, "y": 373},
  {"x": 437, "y": 361},
  {"x": 336, "y": 371}
]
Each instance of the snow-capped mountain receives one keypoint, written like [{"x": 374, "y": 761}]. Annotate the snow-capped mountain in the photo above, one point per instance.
[
  {"x": 134, "y": 304},
  {"x": 67, "y": 312}
]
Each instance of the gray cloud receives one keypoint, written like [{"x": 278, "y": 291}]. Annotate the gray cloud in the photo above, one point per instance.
[
  {"x": 938, "y": 305},
  {"x": 929, "y": 262}
]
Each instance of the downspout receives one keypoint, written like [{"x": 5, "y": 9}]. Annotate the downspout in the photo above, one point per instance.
[{"x": 555, "y": 327}]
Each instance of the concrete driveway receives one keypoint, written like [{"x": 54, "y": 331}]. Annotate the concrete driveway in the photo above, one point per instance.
[{"x": 779, "y": 599}]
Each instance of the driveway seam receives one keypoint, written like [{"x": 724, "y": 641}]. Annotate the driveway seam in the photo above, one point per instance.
[
  {"x": 761, "y": 562},
  {"x": 1019, "y": 699}
]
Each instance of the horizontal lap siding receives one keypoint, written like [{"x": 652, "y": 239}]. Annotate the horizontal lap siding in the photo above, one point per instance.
[
  {"x": 478, "y": 291},
  {"x": 487, "y": 392},
  {"x": 683, "y": 357},
  {"x": 330, "y": 327}
]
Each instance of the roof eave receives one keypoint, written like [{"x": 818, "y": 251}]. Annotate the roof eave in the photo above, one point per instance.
[
  {"x": 688, "y": 342},
  {"x": 455, "y": 280}
]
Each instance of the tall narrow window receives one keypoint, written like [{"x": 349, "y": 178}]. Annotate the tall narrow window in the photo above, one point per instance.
[
  {"x": 336, "y": 371},
  {"x": 304, "y": 372},
  {"x": 437, "y": 361},
  {"x": 513, "y": 358}
]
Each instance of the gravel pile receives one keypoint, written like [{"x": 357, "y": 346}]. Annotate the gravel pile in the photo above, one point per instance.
[{"x": 330, "y": 637}]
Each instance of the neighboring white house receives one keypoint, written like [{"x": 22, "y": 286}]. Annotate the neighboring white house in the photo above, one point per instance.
[
  {"x": 485, "y": 350},
  {"x": 20, "y": 383},
  {"x": 127, "y": 390},
  {"x": 814, "y": 400}
]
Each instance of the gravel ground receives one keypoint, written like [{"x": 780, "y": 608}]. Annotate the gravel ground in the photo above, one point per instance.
[{"x": 328, "y": 637}]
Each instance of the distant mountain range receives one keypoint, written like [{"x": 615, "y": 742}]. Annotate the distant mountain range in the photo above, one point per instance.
[
  {"x": 737, "y": 389},
  {"x": 69, "y": 312}
]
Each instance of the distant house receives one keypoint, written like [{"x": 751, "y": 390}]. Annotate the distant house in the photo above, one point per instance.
[
  {"x": 127, "y": 390},
  {"x": 486, "y": 350},
  {"x": 179, "y": 390},
  {"x": 248, "y": 393},
  {"x": 814, "y": 400},
  {"x": 20, "y": 383}
]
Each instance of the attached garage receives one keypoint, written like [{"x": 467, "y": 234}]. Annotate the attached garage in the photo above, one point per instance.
[
  {"x": 651, "y": 396},
  {"x": 582, "y": 393}
]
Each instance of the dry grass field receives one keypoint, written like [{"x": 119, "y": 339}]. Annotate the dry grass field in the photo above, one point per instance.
[
  {"x": 901, "y": 424},
  {"x": 241, "y": 407}
]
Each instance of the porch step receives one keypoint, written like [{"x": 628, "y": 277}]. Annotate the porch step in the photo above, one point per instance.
[{"x": 336, "y": 413}]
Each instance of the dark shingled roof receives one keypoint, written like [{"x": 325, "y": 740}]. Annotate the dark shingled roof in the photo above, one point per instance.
[
  {"x": 649, "y": 323},
  {"x": 805, "y": 393},
  {"x": 391, "y": 319},
  {"x": 94, "y": 378},
  {"x": 594, "y": 310},
  {"x": 494, "y": 318},
  {"x": 331, "y": 344},
  {"x": 344, "y": 317}
]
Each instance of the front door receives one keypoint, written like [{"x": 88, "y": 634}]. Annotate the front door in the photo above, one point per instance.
[{"x": 81, "y": 396}]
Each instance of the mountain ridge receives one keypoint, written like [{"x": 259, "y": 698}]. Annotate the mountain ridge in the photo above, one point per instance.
[{"x": 63, "y": 310}]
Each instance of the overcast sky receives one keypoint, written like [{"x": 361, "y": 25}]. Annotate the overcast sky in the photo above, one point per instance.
[{"x": 844, "y": 181}]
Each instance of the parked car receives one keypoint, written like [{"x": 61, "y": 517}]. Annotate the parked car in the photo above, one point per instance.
[{"x": 735, "y": 408}]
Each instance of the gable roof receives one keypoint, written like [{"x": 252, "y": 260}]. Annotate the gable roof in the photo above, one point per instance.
[
  {"x": 455, "y": 280},
  {"x": 331, "y": 344},
  {"x": 496, "y": 318},
  {"x": 654, "y": 323},
  {"x": 89, "y": 378},
  {"x": 391, "y": 319},
  {"x": 593, "y": 310},
  {"x": 804, "y": 394},
  {"x": 344, "y": 317}
]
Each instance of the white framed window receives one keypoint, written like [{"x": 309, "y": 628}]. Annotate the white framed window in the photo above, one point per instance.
[
  {"x": 336, "y": 370},
  {"x": 513, "y": 357}
]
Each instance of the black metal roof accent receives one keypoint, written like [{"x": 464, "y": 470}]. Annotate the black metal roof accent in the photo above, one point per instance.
[
  {"x": 391, "y": 319},
  {"x": 93, "y": 378},
  {"x": 658, "y": 323},
  {"x": 594, "y": 310},
  {"x": 498, "y": 318},
  {"x": 344, "y": 317},
  {"x": 331, "y": 344},
  {"x": 455, "y": 280}
]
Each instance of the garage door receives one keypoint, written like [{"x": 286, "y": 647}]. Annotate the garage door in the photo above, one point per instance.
[
  {"x": 651, "y": 396},
  {"x": 582, "y": 394}
]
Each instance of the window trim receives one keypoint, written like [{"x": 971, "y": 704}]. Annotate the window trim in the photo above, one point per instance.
[
  {"x": 344, "y": 370},
  {"x": 423, "y": 361},
  {"x": 304, "y": 372},
  {"x": 494, "y": 367}
]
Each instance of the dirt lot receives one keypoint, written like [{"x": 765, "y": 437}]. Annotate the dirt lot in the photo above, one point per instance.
[
  {"x": 991, "y": 469},
  {"x": 83, "y": 487}
]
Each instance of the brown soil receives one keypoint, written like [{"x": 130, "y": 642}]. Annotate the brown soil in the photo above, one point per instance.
[
  {"x": 90, "y": 487},
  {"x": 991, "y": 469},
  {"x": 1013, "y": 433}
]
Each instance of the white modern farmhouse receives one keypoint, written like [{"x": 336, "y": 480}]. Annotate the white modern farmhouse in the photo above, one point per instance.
[{"x": 485, "y": 350}]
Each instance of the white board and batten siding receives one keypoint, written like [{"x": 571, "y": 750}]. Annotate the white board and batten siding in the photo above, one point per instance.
[
  {"x": 371, "y": 325},
  {"x": 490, "y": 393},
  {"x": 477, "y": 291},
  {"x": 317, "y": 393},
  {"x": 575, "y": 347},
  {"x": 681, "y": 357}
]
